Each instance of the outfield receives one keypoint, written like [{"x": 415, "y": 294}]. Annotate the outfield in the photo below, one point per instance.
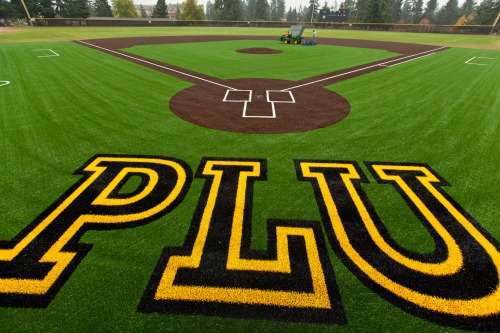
[{"x": 75, "y": 117}]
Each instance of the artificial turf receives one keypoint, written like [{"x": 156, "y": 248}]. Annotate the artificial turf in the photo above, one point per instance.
[{"x": 57, "y": 112}]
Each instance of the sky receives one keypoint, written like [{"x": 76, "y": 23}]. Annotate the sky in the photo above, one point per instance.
[{"x": 288, "y": 3}]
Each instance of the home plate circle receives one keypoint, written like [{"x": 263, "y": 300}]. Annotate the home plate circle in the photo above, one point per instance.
[{"x": 260, "y": 106}]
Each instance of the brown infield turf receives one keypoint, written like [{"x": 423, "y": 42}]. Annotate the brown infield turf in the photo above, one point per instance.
[{"x": 259, "y": 106}]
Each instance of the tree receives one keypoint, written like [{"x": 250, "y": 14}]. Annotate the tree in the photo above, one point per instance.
[
  {"x": 275, "y": 15},
  {"x": 487, "y": 12},
  {"x": 250, "y": 10},
  {"x": 160, "y": 10},
  {"x": 14, "y": 9},
  {"x": 7, "y": 10},
  {"x": 102, "y": 9},
  {"x": 75, "y": 9},
  {"x": 449, "y": 13},
  {"x": 281, "y": 9},
  {"x": 351, "y": 5},
  {"x": 417, "y": 11},
  {"x": 142, "y": 12},
  {"x": 228, "y": 10},
  {"x": 377, "y": 11},
  {"x": 291, "y": 15},
  {"x": 395, "y": 11},
  {"x": 46, "y": 10},
  {"x": 262, "y": 10},
  {"x": 406, "y": 12},
  {"x": 124, "y": 8},
  {"x": 468, "y": 7},
  {"x": 311, "y": 13},
  {"x": 191, "y": 11},
  {"x": 208, "y": 10},
  {"x": 430, "y": 11}
]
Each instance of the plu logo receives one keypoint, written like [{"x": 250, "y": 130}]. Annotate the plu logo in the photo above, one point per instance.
[{"x": 216, "y": 271}]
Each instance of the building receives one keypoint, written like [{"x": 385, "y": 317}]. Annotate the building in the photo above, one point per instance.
[{"x": 172, "y": 10}]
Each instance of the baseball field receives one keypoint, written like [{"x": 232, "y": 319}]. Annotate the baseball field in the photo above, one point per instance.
[{"x": 191, "y": 179}]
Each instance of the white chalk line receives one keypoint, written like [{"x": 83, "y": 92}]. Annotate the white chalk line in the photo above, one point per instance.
[
  {"x": 156, "y": 65},
  {"x": 475, "y": 63},
  {"x": 383, "y": 64},
  {"x": 4, "y": 83},
  {"x": 54, "y": 54},
  {"x": 402, "y": 62}
]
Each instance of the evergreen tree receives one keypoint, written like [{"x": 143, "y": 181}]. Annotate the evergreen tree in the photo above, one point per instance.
[
  {"x": 395, "y": 11},
  {"x": 311, "y": 12},
  {"x": 406, "y": 12},
  {"x": 124, "y": 8},
  {"x": 273, "y": 9},
  {"x": 281, "y": 9},
  {"x": 468, "y": 7},
  {"x": 250, "y": 10},
  {"x": 351, "y": 5},
  {"x": 291, "y": 16},
  {"x": 228, "y": 10},
  {"x": 377, "y": 11},
  {"x": 208, "y": 10},
  {"x": 191, "y": 11},
  {"x": 160, "y": 10},
  {"x": 449, "y": 13},
  {"x": 487, "y": 12},
  {"x": 243, "y": 9},
  {"x": 46, "y": 10},
  {"x": 430, "y": 11},
  {"x": 417, "y": 11},
  {"x": 262, "y": 10},
  {"x": 102, "y": 9},
  {"x": 142, "y": 12},
  {"x": 300, "y": 13}
]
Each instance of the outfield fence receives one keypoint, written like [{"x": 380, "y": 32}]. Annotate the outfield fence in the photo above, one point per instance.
[{"x": 155, "y": 22}]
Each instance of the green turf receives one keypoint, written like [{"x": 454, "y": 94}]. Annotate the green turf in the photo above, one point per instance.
[
  {"x": 293, "y": 64},
  {"x": 58, "y": 112}
]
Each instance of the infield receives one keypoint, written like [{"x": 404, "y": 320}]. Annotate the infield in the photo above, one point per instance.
[{"x": 307, "y": 105}]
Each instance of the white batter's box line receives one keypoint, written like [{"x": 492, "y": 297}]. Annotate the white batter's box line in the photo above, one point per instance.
[
  {"x": 236, "y": 92},
  {"x": 54, "y": 54},
  {"x": 245, "y": 97},
  {"x": 469, "y": 62},
  {"x": 288, "y": 96}
]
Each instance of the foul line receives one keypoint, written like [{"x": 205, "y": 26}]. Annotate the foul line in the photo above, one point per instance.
[
  {"x": 402, "y": 62},
  {"x": 383, "y": 64},
  {"x": 153, "y": 64}
]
